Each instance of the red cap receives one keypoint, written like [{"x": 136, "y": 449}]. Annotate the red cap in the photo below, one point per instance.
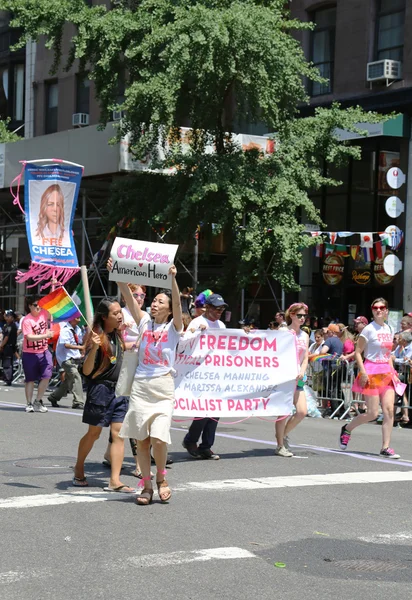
[{"x": 363, "y": 320}]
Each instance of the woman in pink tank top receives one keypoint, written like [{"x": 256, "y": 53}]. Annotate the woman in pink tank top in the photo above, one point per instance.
[{"x": 295, "y": 318}]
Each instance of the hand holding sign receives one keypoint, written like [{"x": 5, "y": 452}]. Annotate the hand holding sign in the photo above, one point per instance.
[{"x": 145, "y": 263}]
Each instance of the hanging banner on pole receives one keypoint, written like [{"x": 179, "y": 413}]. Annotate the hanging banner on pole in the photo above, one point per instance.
[
  {"x": 50, "y": 199},
  {"x": 145, "y": 263},
  {"x": 225, "y": 373}
]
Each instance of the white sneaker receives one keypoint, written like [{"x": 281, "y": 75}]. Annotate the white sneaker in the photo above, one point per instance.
[
  {"x": 39, "y": 406},
  {"x": 282, "y": 451},
  {"x": 286, "y": 442},
  {"x": 29, "y": 408}
]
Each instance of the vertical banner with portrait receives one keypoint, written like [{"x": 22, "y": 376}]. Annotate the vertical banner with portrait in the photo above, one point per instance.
[{"x": 50, "y": 198}]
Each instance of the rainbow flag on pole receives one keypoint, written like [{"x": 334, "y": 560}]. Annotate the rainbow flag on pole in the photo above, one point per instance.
[{"x": 60, "y": 305}]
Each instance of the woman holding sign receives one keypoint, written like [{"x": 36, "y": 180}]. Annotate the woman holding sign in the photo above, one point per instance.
[
  {"x": 101, "y": 367},
  {"x": 149, "y": 417},
  {"x": 295, "y": 318}
]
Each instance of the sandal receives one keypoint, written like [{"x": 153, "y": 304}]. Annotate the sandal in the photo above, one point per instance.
[
  {"x": 138, "y": 474},
  {"x": 163, "y": 489},
  {"x": 146, "y": 496},
  {"x": 80, "y": 482}
]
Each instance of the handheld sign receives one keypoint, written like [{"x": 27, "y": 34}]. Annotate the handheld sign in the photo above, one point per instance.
[{"x": 145, "y": 263}]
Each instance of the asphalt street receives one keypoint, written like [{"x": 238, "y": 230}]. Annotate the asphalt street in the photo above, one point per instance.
[{"x": 324, "y": 524}]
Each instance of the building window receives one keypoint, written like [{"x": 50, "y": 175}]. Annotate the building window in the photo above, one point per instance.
[
  {"x": 390, "y": 29},
  {"x": 4, "y": 92},
  {"x": 52, "y": 103},
  {"x": 323, "y": 49},
  {"x": 82, "y": 94},
  {"x": 18, "y": 97}
]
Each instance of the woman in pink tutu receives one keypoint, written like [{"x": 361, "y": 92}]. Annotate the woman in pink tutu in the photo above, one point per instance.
[{"x": 376, "y": 378}]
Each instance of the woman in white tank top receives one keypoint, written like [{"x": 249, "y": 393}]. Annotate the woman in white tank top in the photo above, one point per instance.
[{"x": 295, "y": 318}]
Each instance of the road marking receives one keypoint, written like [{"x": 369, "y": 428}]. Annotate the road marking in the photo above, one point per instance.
[
  {"x": 301, "y": 481},
  {"x": 368, "y": 457},
  {"x": 403, "y": 538},
  {"x": 258, "y": 483},
  {"x": 184, "y": 557},
  {"x": 15, "y": 576},
  {"x": 149, "y": 560}
]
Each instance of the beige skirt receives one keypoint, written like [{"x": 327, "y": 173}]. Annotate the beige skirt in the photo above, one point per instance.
[{"x": 150, "y": 409}]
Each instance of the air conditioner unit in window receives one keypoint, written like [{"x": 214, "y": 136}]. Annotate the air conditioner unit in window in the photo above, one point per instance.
[
  {"x": 118, "y": 115},
  {"x": 80, "y": 119},
  {"x": 382, "y": 70}
]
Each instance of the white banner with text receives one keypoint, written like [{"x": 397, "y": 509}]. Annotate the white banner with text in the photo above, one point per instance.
[{"x": 228, "y": 373}]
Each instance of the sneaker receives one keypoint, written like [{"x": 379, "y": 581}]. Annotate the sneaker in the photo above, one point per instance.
[
  {"x": 344, "y": 438},
  {"x": 29, "y": 408},
  {"x": 76, "y": 405},
  {"x": 283, "y": 451},
  {"x": 389, "y": 453},
  {"x": 39, "y": 406},
  {"x": 286, "y": 442},
  {"x": 191, "y": 448},
  {"x": 208, "y": 454}
]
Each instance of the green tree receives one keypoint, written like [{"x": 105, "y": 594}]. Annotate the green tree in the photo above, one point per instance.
[
  {"x": 6, "y": 135},
  {"x": 214, "y": 65}
]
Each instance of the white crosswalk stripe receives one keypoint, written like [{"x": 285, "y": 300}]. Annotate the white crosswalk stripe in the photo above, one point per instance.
[{"x": 228, "y": 485}]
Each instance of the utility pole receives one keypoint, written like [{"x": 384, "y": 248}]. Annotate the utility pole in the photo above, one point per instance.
[{"x": 195, "y": 260}]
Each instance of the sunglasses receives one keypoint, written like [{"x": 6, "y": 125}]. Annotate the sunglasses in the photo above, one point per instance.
[
  {"x": 35, "y": 304},
  {"x": 221, "y": 308},
  {"x": 379, "y": 307},
  {"x": 143, "y": 296},
  {"x": 300, "y": 316}
]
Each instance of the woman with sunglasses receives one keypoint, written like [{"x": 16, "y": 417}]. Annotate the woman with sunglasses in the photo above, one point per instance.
[
  {"x": 151, "y": 403},
  {"x": 36, "y": 357},
  {"x": 131, "y": 336},
  {"x": 376, "y": 377},
  {"x": 295, "y": 318}
]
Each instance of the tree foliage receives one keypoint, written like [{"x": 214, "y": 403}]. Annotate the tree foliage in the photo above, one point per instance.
[
  {"x": 7, "y": 136},
  {"x": 213, "y": 65}
]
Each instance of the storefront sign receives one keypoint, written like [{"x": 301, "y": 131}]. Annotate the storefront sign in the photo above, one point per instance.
[
  {"x": 333, "y": 268},
  {"x": 391, "y": 264},
  {"x": 395, "y": 178},
  {"x": 379, "y": 274},
  {"x": 394, "y": 207},
  {"x": 361, "y": 276},
  {"x": 396, "y": 236}
]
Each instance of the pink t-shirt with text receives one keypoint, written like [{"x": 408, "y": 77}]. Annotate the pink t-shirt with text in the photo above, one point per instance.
[{"x": 35, "y": 326}]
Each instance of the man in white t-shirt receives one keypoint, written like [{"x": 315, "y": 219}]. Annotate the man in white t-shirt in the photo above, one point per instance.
[{"x": 215, "y": 307}]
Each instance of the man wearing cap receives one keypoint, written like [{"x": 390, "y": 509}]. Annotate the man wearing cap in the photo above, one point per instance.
[
  {"x": 9, "y": 345},
  {"x": 69, "y": 351},
  {"x": 215, "y": 306},
  {"x": 332, "y": 344}
]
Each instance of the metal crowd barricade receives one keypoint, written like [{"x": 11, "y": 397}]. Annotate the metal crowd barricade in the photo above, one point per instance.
[
  {"x": 405, "y": 375},
  {"x": 332, "y": 380}
]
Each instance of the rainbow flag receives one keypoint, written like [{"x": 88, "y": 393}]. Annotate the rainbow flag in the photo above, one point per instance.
[
  {"x": 60, "y": 305},
  {"x": 319, "y": 357}
]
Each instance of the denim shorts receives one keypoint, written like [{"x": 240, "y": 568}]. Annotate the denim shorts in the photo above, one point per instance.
[{"x": 102, "y": 407}]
